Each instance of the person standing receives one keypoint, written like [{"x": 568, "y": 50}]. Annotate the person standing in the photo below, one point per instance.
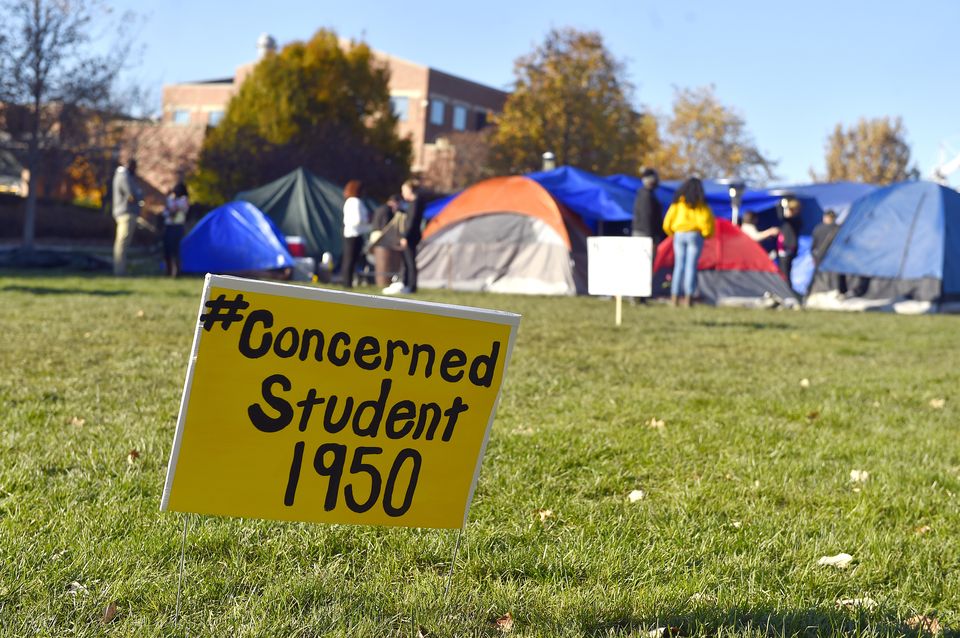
[
  {"x": 356, "y": 222},
  {"x": 647, "y": 212},
  {"x": 823, "y": 236},
  {"x": 127, "y": 198},
  {"x": 174, "y": 220},
  {"x": 788, "y": 240},
  {"x": 411, "y": 234},
  {"x": 689, "y": 221}
]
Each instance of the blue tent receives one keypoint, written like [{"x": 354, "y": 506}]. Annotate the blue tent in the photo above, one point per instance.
[
  {"x": 234, "y": 238},
  {"x": 433, "y": 208},
  {"x": 899, "y": 242}
]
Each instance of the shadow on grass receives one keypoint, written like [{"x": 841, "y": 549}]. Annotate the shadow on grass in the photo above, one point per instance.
[
  {"x": 752, "y": 325},
  {"x": 762, "y": 621},
  {"x": 49, "y": 290}
]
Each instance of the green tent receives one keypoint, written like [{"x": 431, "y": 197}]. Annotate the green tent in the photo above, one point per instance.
[{"x": 302, "y": 204}]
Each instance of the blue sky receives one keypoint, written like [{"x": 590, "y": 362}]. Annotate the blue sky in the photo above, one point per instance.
[{"x": 793, "y": 70}]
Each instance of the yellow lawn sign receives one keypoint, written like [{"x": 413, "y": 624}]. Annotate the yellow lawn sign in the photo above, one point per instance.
[{"x": 306, "y": 404}]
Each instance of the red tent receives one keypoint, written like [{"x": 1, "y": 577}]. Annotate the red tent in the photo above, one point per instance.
[{"x": 731, "y": 266}]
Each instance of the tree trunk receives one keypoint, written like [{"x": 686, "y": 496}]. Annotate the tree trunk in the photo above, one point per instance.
[{"x": 30, "y": 212}]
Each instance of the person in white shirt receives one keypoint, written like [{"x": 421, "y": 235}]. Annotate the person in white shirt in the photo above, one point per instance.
[
  {"x": 174, "y": 218},
  {"x": 749, "y": 228},
  {"x": 356, "y": 222}
]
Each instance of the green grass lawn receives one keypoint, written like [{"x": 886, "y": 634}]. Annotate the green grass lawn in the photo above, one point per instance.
[{"x": 747, "y": 483}]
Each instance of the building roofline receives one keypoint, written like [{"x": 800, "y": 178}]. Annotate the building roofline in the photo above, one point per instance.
[
  {"x": 429, "y": 69},
  {"x": 208, "y": 83},
  {"x": 460, "y": 78}
]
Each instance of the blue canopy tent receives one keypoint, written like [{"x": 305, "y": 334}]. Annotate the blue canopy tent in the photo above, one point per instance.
[
  {"x": 718, "y": 196},
  {"x": 596, "y": 200},
  {"x": 234, "y": 238},
  {"x": 837, "y": 196},
  {"x": 899, "y": 243}
]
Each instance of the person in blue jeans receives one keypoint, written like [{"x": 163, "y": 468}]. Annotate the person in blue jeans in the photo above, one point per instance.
[{"x": 689, "y": 221}]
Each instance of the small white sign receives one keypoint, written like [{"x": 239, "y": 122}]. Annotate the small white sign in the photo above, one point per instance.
[{"x": 620, "y": 266}]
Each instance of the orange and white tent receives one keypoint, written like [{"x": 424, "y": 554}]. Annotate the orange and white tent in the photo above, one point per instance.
[{"x": 505, "y": 234}]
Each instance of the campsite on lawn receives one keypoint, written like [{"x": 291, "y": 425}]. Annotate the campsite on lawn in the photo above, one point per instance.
[{"x": 692, "y": 472}]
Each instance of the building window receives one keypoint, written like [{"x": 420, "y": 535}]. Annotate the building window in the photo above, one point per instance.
[
  {"x": 460, "y": 118},
  {"x": 181, "y": 116},
  {"x": 481, "y": 120},
  {"x": 214, "y": 118},
  {"x": 401, "y": 108},
  {"x": 437, "y": 108}
]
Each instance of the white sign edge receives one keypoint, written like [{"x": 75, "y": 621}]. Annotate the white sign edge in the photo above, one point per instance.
[
  {"x": 486, "y": 434},
  {"x": 184, "y": 400}
]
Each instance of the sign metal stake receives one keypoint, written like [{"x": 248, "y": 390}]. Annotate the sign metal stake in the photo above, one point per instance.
[
  {"x": 619, "y": 313},
  {"x": 453, "y": 562},
  {"x": 183, "y": 546}
]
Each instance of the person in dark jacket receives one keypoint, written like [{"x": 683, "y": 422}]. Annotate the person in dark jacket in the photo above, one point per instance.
[
  {"x": 788, "y": 241},
  {"x": 416, "y": 204},
  {"x": 823, "y": 235},
  {"x": 647, "y": 211}
]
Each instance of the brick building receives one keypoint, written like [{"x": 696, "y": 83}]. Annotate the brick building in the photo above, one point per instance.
[{"x": 429, "y": 103}]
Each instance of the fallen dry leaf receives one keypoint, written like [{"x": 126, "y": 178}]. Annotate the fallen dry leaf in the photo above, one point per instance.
[
  {"x": 840, "y": 561},
  {"x": 544, "y": 515},
  {"x": 813, "y": 416},
  {"x": 857, "y": 603},
  {"x": 859, "y": 476},
  {"x": 736, "y": 524},
  {"x": 661, "y": 632},
  {"x": 504, "y": 623},
  {"x": 636, "y": 495},
  {"x": 656, "y": 424},
  {"x": 77, "y": 422},
  {"x": 923, "y": 529},
  {"x": 141, "y": 314},
  {"x": 804, "y": 383},
  {"x": 876, "y": 404},
  {"x": 87, "y": 335},
  {"x": 132, "y": 456},
  {"x": 704, "y": 598},
  {"x": 937, "y": 404},
  {"x": 110, "y": 612},
  {"x": 76, "y": 588},
  {"x": 924, "y": 624}
]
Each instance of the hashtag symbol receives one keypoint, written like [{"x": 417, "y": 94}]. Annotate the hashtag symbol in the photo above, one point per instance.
[{"x": 223, "y": 311}]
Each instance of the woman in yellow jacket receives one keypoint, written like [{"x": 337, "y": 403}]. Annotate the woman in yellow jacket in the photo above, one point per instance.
[{"x": 689, "y": 221}]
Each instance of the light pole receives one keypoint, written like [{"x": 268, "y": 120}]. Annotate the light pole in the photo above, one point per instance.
[
  {"x": 736, "y": 188},
  {"x": 549, "y": 161}
]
